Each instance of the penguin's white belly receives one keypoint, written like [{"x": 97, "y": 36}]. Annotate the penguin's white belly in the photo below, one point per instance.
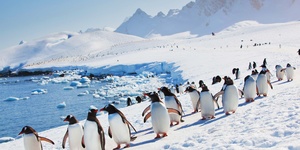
[
  {"x": 289, "y": 73},
  {"x": 207, "y": 104},
  {"x": 262, "y": 84},
  {"x": 254, "y": 76},
  {"x": 171, "y": 103},
  {"x": 159, "y": 117},
  {"x": 91, "y": 136},
  {"x": 279, "y": 73},
  {"x": 181, "y": 89},
  {"x": 194, "y": 98},
  {"x": 75, "y": 136},
  {"x": 250, "y": 89},
  {"x": 119, "y": 130},
  {"x": 230, "y": 98},
  {"x": 31, "y": 142}
]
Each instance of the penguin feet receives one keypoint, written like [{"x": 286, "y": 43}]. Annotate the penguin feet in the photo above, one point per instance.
[
  {"x": 203, "y": 118},
  {"x": 265, "y": 95},
  {"x": 227, "y": 113},
  {"x": 118, "y": 147},
  {"x": 158, "y": 136},
  {"x": 127, "y": 145}
]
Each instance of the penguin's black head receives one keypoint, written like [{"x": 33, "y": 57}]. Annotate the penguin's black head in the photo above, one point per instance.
[
  {"x": 288, "y": 65},
  {"x": 189, "y": 89},
  {"x": 109, "y": 108},
  {"x": 228, "y": 81},
  {"x": 153, "y": 96},
  {"x": 201, "y": 83},
  {"x": 27, "y": 130},
  {"x": 204, "y": 88},
  {"x": 71, "y": 119},
  {"x": 218, "y": 78},
  {"x": 233, "y": 70},
  {"x": 165, "y": 90},
  {"x": 93, "y": 110}
]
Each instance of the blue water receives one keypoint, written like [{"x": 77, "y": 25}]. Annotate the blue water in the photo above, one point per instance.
[{"x": 40, "y": 111}]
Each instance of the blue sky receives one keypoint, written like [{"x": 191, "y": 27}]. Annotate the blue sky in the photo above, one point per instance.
[{"x": 30, "y": 19}]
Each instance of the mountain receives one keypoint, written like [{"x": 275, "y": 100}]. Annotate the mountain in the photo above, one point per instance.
[{"x": 206, "y": 16}]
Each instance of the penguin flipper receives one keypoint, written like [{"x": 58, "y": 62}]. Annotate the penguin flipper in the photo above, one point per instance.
[
  {"x": 65, "y": 139},
  {"x": 178, "y": 104},
  {"x": 270, "y": 84},
  {"x": 109, "y": 132},
  {"x": 218, "y": 94},
  {"x": 216, "y": 101},
  {"x": 145, "y": 110},
  {"x": 172, "y": 110},
  {"x": 46, "y": 140},
  {"x": 241, "y": 93},
  {"x": 82, "y": 142},
  {"x": 147, "y": 117}
]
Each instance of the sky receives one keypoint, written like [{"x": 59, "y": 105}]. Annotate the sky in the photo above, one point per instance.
[{"x": 32, "y": 19}]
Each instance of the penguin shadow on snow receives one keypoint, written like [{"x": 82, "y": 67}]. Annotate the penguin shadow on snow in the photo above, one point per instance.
[
  {"x": 144, "y": 130},
  {"x": 145, "y": 142},
  {"x": 284, "y": 82}
]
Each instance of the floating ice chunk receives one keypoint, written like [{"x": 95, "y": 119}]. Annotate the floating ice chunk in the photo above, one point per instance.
[
  {"x": 61, "y": 105},
  {"x": 68, "y": 88},
  {"x": 25, "y": 98},
  {"x": 83, "y": 93},
  {"x": 12, "y": 99},
  {"x": 85, "y": 80},
  {"x": 39, "y": 91},
  {"x": 83, "y": 86},
  {"x": 75, "y": 83}
]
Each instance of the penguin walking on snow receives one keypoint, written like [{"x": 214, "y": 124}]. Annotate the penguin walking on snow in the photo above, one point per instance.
[
  {"x": 159, "y": 115},
  {"x": 195, "y": 98},
  {"x": 93, "y": 137},
  {"x": 119, "y": 126},
  {"x": 262, "y": 83},
  {"x": 249, "y": 88},
  {"x": 171, "y": 101},
  {"x": 32, "y": 141},
  {"x": 289, "y": 70},
  {"x": 74, "y": 132},
  {"x": 236, "y": 72},
  {"x": 279, "y": 72},
  {"x": 230, "y": 97},
  {"x": 207, "y": 103}
]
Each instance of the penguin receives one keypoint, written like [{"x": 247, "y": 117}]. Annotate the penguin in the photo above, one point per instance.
[
  {"x": 119, "y": 126},
  {"x": 181, "y": 89},
  {"x": 160, "y": 118},
  {"x": 32, "y": 141},
  {"x": 200, "y": 83},
  {"x": 194, "y": 96},
  {"x": 262, "y": 83},
  {"x": 268, "y": 73},
  {"x": 230, "y": 97},
  {"x": 93, "y": 137},
  {"x": 249, "y": 66},
  {"x": 289, "y": 70},
  {"x": 207, "y": 103},
  {"x": 74, "y": 132},
  {"x": 171, "y": 101},
  {"x": 249, "y": 88},
  {"x": 279, "y": 72},
  {"x": 236, "y": 72}
]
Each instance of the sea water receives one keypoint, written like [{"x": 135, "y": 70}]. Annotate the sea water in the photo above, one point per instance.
[{"x": 40, "y": 111}]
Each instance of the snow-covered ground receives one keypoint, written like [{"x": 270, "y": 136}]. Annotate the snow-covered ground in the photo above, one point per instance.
[{"x": 271, "y": 122}]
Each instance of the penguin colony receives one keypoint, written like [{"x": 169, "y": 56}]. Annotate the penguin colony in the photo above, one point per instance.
[{"x": 163, "y": 114}]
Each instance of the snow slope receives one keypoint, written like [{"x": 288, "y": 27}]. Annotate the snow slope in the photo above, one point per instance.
[{"x": 270, "y": 122}]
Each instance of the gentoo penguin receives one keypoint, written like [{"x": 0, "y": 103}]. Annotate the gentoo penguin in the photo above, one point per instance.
[
  {"x": 279, "y": 72},
  {"x": 262, "y": 83},
  {"x": 159, "y": 115},
  {"x": 207, "y": 103},
  {"x": 230, "y": 97},
  {"x": 119, "y": 126},
  {"x": 93, "y": 137},
  {"x": 236, "y": 72},
  {"x": 32, "y": 141},
  {"x": 268, "y": 73},
  {"x": 181, "y": 89},
  {"x": 171, "y": 101},
  {"x": 249, "y": 88},
  {"x": 74, "y": 132},
  {"x": 195, "y": 98},
  {"x": 200, "y": 83},
  {"x": 289, "y": 70}
]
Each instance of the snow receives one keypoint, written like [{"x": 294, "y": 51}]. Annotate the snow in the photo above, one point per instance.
[{"x": 270, "y": 122}]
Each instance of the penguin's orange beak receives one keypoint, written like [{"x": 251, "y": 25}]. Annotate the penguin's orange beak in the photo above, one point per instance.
[
  {"x": 21, "y": 132},
  {"x": 66, "y": 119},
  {"x": 102, "y": 109}
]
